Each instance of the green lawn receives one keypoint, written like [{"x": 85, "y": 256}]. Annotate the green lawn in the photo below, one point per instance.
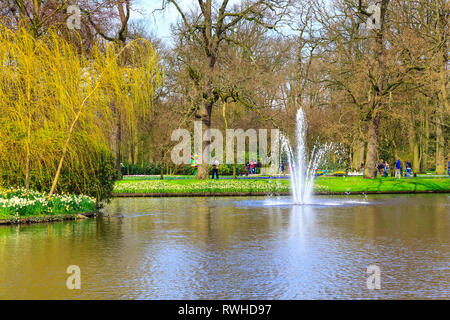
[
  {"x": 358, "y": 184},
  {"x": 322, "y": 184}
]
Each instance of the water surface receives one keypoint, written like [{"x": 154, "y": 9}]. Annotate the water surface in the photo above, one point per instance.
[{"x": 236, "y": 248}]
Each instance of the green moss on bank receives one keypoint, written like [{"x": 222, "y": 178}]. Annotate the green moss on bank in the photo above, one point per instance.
[{"x": 44, "y": 218}]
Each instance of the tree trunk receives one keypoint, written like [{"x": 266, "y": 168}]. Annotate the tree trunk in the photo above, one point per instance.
[
  {"x": 358, "y": 154},
  {"x": 372, "y": 147},
  {"x": 416, "y": 158},
  {"x": 203, "y": 167},
  {"x": 425, "y": 147},
  {"x": 136, "y": 153},
  {"x": 65, "y": 148},
  {"x": 442, "y": 107},
  {"x": 27, "y": 160},
  {"x": 162, "y": 165},
  {"x": 204, "y": 113},
  {"x": 235, "y": 161},
  {"x": 414, "y": 146},
  {"x": 440, "y": 143},
  {"x": 118, "y": 142},
  {"x": 132, "y": 159}
]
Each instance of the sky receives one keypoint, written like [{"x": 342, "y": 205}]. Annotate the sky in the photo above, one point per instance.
[{"x": 159, "y": 22}]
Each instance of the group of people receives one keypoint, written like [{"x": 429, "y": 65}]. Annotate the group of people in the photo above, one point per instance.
[
  {"x": 399, "y": 169},
  {"x": 382, "y": 168},
  {"x": 251, "y": 167},
  {"x": 448, "y": 167}
]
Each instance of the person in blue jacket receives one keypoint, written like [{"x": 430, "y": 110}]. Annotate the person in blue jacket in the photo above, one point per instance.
[
  {"x": 398, "y": 166},
  {"x": 448, "y": 167}
]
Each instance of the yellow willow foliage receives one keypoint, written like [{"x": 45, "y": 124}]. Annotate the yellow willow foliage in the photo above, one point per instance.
[{"x": 54, "y": 99}]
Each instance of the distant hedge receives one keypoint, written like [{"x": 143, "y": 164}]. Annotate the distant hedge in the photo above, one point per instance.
[{"x": 155, "y": 169}]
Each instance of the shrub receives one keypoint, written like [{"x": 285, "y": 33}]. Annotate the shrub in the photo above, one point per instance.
[
  {"x": 90, "y": 173},
  {"x": 19, "y": 202},
  {"x": 225, "y": 170}
]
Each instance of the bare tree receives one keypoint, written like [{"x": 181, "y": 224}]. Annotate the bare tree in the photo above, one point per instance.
[{"x": 211, "y": 26}]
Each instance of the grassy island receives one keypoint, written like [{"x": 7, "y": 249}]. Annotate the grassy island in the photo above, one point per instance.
[
  {"x": 20, "y": 205},
  {"x": 323, "y": 185}
]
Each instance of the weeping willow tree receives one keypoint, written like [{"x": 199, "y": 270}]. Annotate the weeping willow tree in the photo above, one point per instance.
[{"x": 56, "y": 103}]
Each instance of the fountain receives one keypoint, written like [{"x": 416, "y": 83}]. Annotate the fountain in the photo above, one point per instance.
[{"x": 302, "y": 168}]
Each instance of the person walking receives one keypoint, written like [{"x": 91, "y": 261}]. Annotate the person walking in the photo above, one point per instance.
[
  {"x": 247, "y": 168},
  {"x": 363, "y": 166},
  {"x": 386, "y": 168},
  {"x": 252, "y": 167},
  {"x": 398, "y": 166},
  {"x": 215, "y": 170},
  {"x": 448, "y": 167},
  {"x": 408, "y": 168},
  {"x": 258, "y": 167},
  {"x": 380, "y": 167}
]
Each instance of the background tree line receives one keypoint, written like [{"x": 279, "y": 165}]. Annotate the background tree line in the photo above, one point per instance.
[{"x": 377, "y": 93}]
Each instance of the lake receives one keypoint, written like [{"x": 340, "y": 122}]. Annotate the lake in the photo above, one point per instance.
[{"x": 236, "y": 248}]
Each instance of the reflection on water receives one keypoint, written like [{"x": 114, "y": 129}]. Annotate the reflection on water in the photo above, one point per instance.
[{"x": 236, "y": 248}]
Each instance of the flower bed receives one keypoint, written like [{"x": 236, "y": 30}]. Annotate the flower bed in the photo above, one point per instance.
[
  {"x": 204, "y": 186},
  {"x": 20, "y": 203},
  {"x": 210, "y": 186},
  {"x": 322, "y": 185}
]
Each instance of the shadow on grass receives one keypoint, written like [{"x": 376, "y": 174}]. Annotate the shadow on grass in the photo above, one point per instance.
[
  {"x": 417, "y": 185},
  {"x": 392, "y": 184}
]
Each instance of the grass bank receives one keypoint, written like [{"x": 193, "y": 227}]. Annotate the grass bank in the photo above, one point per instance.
[
  {"x": 21, "y": 206},
  {"x": 323, "y": 185}
]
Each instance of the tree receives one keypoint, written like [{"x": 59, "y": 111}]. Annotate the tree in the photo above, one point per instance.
[
  {"x": 61, "y": 98},
  {"x": 210, "y": 29},
  {"x": 380, "y": 89}
]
